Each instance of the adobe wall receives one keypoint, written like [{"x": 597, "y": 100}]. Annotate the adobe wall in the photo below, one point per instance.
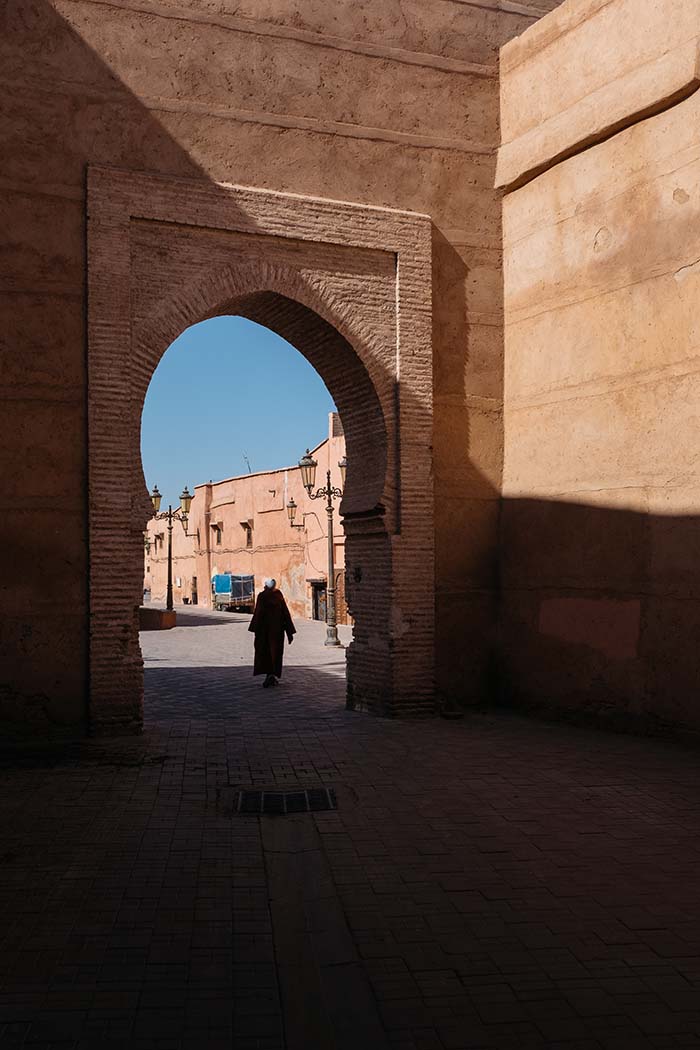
[
  {"x": 601, "y": 524},
  {"x": 264, "y": 96},
  {"x": 293, "y": 556}
]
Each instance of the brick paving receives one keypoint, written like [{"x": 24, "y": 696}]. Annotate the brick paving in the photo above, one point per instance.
[{"x": 493, "y": 882}]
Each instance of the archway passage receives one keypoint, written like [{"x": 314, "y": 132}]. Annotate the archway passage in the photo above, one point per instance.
[
  {"x": 229, "y": 412},
  {"x": 350, "y": 288}
]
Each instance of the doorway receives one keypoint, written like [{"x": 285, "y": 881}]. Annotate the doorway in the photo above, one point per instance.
[
  {"x": 350, "y": 287},
  {"x": 318, "y": 600}
]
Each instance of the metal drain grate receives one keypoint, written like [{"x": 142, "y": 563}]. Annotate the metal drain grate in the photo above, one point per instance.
[{"x": 312, "y": 800}]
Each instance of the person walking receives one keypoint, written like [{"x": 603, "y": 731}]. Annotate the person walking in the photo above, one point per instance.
[{"x": 271, "y": 622}]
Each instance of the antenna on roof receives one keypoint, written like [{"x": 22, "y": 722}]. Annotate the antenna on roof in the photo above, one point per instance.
[{"x": 247, "y": 463}]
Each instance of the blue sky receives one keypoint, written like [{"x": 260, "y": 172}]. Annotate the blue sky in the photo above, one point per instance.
[{"x": 227, "y": 388}]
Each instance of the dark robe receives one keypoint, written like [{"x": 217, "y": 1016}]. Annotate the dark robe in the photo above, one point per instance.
[{"x": 271, "y": 621}]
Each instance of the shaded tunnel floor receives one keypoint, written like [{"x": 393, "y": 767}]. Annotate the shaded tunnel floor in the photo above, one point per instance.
[{"x": 493, "y": 882}]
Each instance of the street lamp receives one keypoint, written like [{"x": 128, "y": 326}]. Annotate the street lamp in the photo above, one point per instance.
[
  {"x": 292, "y": 509},
  {"x": 170, "y": 515},
  {"x": 307, "y": 466}
]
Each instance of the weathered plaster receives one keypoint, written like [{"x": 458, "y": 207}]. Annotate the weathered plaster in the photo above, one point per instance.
[
  {"x": 601, "y": 483},
  {"x": 613, "y": 64}
]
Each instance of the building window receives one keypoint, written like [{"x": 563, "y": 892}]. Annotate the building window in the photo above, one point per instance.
[
  {"x": 248, "y": 530},
  {"x": 218, "y": 537},
  {"x": 218, "y": 527}
]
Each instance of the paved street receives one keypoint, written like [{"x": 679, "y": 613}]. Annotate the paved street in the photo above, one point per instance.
[{"x": 493, "y": 882}]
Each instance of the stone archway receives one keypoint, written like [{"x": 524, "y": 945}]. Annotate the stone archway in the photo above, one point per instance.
[{"x": 349, "y": 286}]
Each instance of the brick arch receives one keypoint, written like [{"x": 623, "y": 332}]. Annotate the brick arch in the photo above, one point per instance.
[
  {"x": 350, "y": 287},
  {"x": 323, "y": 330},
  {"x": 256, "y": 292}
]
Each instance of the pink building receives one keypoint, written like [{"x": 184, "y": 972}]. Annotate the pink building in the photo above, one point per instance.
[{"x": 241, "y": 525}]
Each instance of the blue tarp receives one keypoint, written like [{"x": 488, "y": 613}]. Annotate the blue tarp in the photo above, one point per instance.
[{"x": 235, "y": 585}]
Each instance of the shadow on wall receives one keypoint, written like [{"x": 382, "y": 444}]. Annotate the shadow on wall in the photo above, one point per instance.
[
  {"x": 68, "y": 110},
  {"x": 600, "y": 614},
  {"x": 468, "y": 428}
]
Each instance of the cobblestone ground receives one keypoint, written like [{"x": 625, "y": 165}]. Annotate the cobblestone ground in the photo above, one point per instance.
[{"x": 493, "y": 882}]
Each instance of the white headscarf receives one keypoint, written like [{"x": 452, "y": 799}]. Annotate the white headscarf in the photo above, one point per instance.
[{"x": 270, "y": 584}]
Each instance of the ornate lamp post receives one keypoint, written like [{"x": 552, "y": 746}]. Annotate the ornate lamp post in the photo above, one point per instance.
[
  {"x": 307, "y": 465},
  {"x": 170, "y": 515}
]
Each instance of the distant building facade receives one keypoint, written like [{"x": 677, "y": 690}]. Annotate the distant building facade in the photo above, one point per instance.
[{"x": 241, "y": 525}]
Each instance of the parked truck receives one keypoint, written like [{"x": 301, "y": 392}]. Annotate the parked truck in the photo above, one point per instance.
[{"x": 233, "y": 592}]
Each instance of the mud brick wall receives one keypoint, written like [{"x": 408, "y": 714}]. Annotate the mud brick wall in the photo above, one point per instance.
[
  {"x": 601, "y": 513},
  {"x": 252, "y": 95}
]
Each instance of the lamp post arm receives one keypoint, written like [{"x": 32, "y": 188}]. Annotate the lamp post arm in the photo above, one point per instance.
[
  {"x": 170, "y": 516},
  {"x": 318, "y": 494},
  {"x": 326, "y": 493}
]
